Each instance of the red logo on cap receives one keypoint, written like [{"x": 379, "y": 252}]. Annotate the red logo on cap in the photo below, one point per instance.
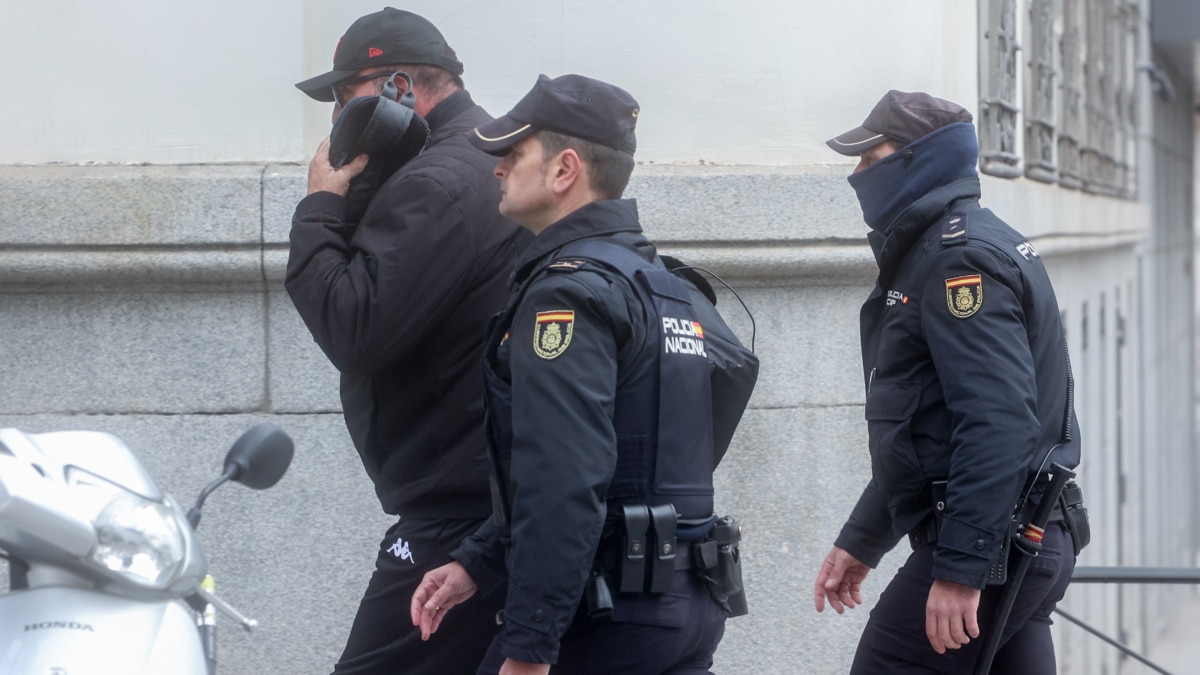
[{"x": 372, "y": 52}]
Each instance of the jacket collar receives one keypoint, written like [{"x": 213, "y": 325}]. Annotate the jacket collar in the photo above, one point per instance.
[
  {"x": 600, "y": 218},
  {"x": 908, "y": 227},
  {"x": 450, "y": 107}
]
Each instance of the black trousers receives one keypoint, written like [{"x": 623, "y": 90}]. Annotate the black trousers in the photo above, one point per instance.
[
  {"x": 383, "y": 640},
  {"x": 894, "y": 640},
  {"x": 676, "y": 633}
]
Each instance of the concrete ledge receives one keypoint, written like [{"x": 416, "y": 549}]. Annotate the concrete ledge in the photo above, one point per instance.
[
  {"x": 746, "y": 203},
  {"x": 130, "y": 205},
  {"x": 1040, "y": 211},
  {"x": 1061, "y": 246},
  {"x": 757, "y": 263},
  {"x": 694, "y": 204},
  {"x": 833, "y": 262},
  {"x": 213, "y": 227},
  {"x": 101, "y": 270}
]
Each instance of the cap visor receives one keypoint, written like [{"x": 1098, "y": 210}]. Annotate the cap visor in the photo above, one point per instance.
[
  {"x": 320, "y": 87},
  {"x": 855, "y": 141},
  {"x": 497, "y": 136}
]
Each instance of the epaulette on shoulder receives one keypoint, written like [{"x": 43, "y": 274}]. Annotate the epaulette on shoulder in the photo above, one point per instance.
[
  {"x": 954, "y": 229},
  {"x": 568, "y": 264}
]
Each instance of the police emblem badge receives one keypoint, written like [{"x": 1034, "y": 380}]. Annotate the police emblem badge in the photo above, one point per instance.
[
  {"x": 552, "y": 333},
  {"x": 964, "y": 295}
]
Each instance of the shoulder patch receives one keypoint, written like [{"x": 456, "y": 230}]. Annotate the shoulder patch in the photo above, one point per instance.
[
  {"x": 954, "y": 230},
  {"x": 552, "y": 332},
  {"x": 1027, "y": 251},
  {"x": 964, "y": 295}
]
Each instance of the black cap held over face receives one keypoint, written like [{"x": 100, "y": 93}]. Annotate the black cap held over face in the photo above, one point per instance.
[
  {"x": 390, "y": 133},
  {"x": 572, "y": 105},
  {"x": 387, "y": 37},
  {"x": 901, "y": 117}
]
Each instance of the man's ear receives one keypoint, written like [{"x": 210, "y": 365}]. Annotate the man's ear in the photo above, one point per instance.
[
  {"x": 399, "y": 88},
  {"x": 566, "y": 171}
]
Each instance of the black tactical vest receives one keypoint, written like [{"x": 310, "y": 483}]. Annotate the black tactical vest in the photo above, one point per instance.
[{"x": 665, "y": 434}]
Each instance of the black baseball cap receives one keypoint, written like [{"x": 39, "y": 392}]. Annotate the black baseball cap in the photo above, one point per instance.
[
  {"x": 573, "y": 105},
  {"x": 387, "y": 37},
  {"x": 902, "y": 117}
]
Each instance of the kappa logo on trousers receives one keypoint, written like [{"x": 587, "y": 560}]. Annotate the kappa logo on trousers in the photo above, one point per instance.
[{"x": 401, "y": 550}]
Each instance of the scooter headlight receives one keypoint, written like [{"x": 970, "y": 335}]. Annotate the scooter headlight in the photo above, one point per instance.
[{"x": 140, "y": 540}]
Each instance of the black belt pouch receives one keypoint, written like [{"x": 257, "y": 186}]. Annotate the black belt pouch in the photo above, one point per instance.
[{"x": 1075, "y": 516}]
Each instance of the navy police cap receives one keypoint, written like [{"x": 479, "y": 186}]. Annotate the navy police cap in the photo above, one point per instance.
[{"x": 572, "y": 105}]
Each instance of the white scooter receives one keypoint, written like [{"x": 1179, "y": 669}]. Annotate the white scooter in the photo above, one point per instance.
[{"x": 106, "y": 574}]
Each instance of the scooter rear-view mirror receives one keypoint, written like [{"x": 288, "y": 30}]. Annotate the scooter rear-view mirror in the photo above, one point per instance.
[{"x": 260, "y": 457}]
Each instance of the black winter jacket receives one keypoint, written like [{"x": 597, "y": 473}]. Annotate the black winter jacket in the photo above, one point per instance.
[
  {"x": 399, "y": 303},
  {"x": 964, "y": 363},
  {"x": 558, "y": 450}
]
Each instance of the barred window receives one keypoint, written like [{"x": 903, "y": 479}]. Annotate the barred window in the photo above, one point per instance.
[{"x": 1057, "y": 92}]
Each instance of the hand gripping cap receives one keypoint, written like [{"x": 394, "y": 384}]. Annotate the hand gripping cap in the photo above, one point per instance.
[{"x": 390, "y": 133}]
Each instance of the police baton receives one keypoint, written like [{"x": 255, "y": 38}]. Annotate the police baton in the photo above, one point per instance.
[{"x": 1029, "y": 542}]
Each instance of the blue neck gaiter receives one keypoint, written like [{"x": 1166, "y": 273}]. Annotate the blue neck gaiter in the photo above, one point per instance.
[{"x": 889, "y": 187}]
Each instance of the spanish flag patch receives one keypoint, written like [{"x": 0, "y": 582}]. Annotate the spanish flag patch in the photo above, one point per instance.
[
  {"x": 552, "y": 333},
  {"x": 964, "y": 295}
]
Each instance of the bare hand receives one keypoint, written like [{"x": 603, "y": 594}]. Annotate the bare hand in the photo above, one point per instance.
[
  {"x": 840, "y": 581},
  {"x": 440, "y": 589},
  {"x": 951, "y": 615},
  {"x": 515, "y": 667},
  {"x": 322, "y": 177}
]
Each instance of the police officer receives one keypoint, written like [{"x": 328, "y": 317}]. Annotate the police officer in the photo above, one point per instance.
[
  {"x": 968, "y": 405},
  {"x": 601, "y": 500}
]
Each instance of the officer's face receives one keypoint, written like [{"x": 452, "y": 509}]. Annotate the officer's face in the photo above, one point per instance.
[
  {"x": 875, "y": 154},
  {"x": 525, "y": 195}
]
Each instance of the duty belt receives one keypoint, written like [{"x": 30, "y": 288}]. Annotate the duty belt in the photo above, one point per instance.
[
  {"x": 643, "y": 547},
  {"x": 926, "y": 531}
]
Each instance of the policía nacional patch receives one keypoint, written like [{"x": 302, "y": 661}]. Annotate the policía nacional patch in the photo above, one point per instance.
[
  {"x": 964, "y": 295},
  {"x": 552, "y": 333}
]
